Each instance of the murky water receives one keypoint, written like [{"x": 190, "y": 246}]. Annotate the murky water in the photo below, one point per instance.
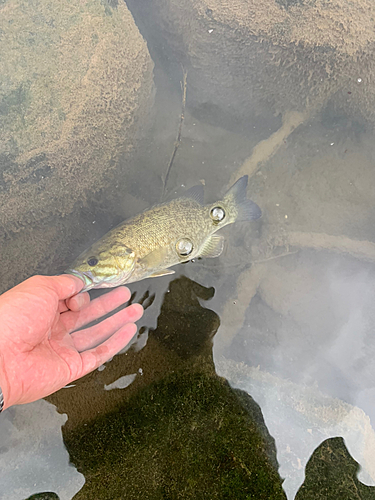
[{"x": 253, "y": 373}]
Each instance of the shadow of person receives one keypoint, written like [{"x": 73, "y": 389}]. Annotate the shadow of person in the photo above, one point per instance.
[{"x": 179, "y": 430}]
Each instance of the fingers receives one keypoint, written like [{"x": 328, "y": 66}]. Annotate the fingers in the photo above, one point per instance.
[
  {"x": 73, "y": 320},
  {"x": 75, "y": 303},
  {"x": 62, "y": 306},
  {"x": 91, "y": 337},
  {"x": 93, "y": 358},
  {"x": 65, "y": 285},
  {"x": 78, "y": 302}
]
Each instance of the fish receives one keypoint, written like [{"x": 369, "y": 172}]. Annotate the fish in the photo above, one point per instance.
[{"x": 170, "y": 233}]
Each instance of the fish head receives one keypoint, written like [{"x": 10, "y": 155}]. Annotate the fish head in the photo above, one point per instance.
[{"x": 104, "y": 268}]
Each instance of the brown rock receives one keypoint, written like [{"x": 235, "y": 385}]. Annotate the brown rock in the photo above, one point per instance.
[
  {"x": 246, "y": 57},
  {"x": 75, "y": 83}
]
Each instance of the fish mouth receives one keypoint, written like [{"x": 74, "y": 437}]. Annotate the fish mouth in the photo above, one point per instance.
[{"x": 85, "y": 276}]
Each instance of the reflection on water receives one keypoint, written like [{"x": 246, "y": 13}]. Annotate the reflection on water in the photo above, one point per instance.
[
  {"x": 269, "y": 392},
  {"x": 33, "y": 457}
]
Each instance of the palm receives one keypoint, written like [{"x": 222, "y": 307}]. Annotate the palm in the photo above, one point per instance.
[{"x": 43, "y": 350}]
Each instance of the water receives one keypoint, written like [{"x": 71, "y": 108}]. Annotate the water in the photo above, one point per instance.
[{"x": 252, "y": 375}]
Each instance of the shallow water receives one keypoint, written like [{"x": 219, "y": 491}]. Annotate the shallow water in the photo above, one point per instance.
[{"x": 252, "y": 374}]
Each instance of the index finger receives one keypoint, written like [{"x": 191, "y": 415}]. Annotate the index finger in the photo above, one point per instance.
[{"x": 99, "y": 307}]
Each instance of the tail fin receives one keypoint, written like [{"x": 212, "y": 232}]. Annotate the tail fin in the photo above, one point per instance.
[{"x": 236, "y": 195}]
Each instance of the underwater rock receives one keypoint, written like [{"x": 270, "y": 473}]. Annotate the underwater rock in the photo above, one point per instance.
[
  {"x": 331, "y": 473},
  {"x": 75, "y": 87},
  {"x": 246, "y": 57},
  {"x": 179, "y": 430}
]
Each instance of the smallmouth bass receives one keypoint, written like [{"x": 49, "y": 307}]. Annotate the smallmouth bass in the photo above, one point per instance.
[{"x": 170, "y": 233}]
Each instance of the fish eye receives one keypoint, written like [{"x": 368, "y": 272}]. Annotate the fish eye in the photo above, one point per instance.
[
  {"x": 92, "y": 261},
  {"x": 217, "y": 214},
  {"x": 184, "y": 247}
]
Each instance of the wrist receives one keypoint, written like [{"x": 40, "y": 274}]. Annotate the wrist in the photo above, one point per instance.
[{"x": 4, "y": 386}]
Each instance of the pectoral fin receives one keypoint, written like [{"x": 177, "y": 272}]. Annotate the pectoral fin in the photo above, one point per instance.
[
  {"x": 154, "y": 259},
  {"x": 164, "y": 272},
  {"x": 213, "y": 247}
]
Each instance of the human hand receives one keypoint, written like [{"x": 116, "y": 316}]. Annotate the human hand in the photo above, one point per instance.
[{"x": 40, "y": 349}]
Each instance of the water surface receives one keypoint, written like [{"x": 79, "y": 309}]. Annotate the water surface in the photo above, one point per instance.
[{"x": 252, "y": 374}]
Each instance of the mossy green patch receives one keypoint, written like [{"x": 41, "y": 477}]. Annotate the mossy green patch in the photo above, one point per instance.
[
  {"x": 331, "y": 474},
  {"x": 187, "y": 436}
]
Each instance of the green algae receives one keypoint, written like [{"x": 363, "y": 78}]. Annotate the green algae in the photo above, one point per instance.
[
  {"x": 185, "y": 434},
  {"x": 331, "y": 474}
]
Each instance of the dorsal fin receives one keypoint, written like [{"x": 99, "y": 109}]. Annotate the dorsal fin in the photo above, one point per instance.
[{"x": 195, "y": 193}]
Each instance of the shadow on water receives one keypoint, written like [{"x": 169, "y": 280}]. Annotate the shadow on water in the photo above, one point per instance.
[{"x": 179, "y": 430}]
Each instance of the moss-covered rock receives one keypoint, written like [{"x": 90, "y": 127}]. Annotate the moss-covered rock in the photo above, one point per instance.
[
  {"x": 186, "y": 437},
  {"x": 331, "y": 474},
  {"x": 179, "y": 430}
]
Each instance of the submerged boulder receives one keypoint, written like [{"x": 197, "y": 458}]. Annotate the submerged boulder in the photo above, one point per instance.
[
  {"x": 246, "y": 57},
  {"x": 75, "y": 86}
]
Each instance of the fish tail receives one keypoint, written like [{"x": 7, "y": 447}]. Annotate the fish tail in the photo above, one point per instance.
[{"x": 236, "y": 195}]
